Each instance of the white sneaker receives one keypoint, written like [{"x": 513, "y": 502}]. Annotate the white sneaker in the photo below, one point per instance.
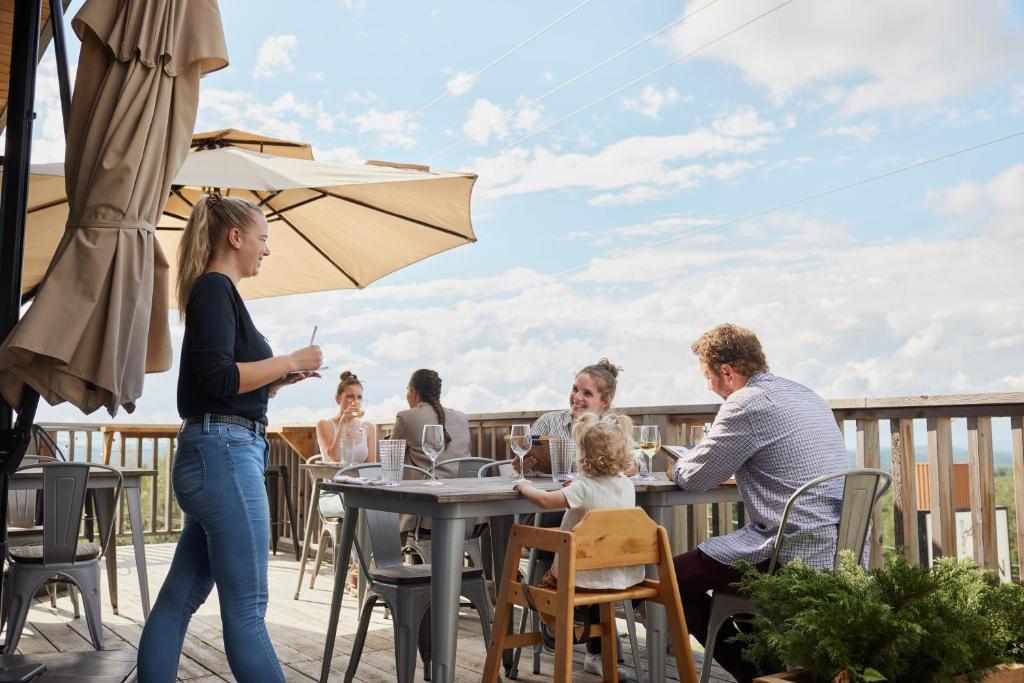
[{"x": 592, "y": 665}]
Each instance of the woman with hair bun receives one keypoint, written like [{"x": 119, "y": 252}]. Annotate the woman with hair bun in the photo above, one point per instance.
[{"x": 345, "y": 437}]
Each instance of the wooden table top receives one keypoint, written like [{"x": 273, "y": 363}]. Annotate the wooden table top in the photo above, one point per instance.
[{"x": 36, "y": 472}]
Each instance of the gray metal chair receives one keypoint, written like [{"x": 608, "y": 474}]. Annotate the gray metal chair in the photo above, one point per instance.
[
  {"x": 404, "y": 589},
  {"x": 862, "y": 489},
  {"x": 330, "y": 531},
  {"x": 418, "y": 541},
  {"x": 60, "y": 554}
]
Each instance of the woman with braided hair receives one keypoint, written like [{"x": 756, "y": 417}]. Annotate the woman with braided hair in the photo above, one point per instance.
[{"x": 424, "y": 397}]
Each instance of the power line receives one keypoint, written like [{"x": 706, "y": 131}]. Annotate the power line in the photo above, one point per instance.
[
  {"x": 478, "y": 73},
  {"x": 644, "y": 77},
  {"x": 577, "y": 77},
  {"x": 802, "y": 200}
]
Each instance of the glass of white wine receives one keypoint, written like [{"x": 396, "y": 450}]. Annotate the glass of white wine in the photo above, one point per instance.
[
  {"x": 650, "y": 444},
  {"x": 520, "y": 442},
  {"x": 433, "y": 446}
]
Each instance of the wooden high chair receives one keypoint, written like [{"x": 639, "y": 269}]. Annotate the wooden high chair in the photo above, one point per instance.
[{"x": 604, "y": 539}]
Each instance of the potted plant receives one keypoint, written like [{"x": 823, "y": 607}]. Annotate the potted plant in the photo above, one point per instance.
[{"x": 897, "y": 623}]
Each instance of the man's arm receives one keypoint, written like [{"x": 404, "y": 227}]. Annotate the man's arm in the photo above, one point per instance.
[{"x": 722, "y": 452}]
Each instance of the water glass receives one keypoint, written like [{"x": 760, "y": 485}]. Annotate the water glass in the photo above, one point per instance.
[
  {"x": 563, "y": 459},
  {"x": 433, "y": 446},
  {"x": 392, "y": 457}
]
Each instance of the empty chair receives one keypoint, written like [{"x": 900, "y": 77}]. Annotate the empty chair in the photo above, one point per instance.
[
  {"x": 604, "y": 539},
  {"x": 418, "y": 540},
  {"x": 862, "y": 489},
  {"x": 330, "y": 528},
  {"x": 60, "y": 554},
  {"x": 404, "y": 589}
]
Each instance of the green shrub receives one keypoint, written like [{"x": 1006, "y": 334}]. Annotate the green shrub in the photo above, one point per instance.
[{"x": 898, "y": 623}]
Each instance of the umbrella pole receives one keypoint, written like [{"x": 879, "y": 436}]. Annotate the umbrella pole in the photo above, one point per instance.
[{"x": 14, "y": 436}]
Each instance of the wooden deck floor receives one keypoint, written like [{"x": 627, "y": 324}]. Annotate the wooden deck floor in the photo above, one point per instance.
[{"x": 296, "y": 629}]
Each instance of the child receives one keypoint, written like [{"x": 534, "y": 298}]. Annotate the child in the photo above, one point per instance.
[{"x": 604, "y": 456}]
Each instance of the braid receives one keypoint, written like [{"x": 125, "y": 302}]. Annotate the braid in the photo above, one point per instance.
[{"x": 427, "y": 384}]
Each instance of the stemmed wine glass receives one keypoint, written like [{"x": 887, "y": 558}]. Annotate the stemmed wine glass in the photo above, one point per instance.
[
  {"x": 520, "y": 442},
  {"x": 650, "y": 444},
  {"x": 433, "y": 446}
]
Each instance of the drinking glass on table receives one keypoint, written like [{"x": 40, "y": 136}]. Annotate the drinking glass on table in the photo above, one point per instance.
[
  {"x": 638, "y": 456},
  {"x": 650, "y": 444},
  {"x": 520, "y": 442},
  {"x": 392, "y": 457},
  {"x": 433, "y": 446}
]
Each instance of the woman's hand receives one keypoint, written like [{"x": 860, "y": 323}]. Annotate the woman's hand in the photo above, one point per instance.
[
  {"x": 290, "y": 378},
  {"x": 308, "y": 359}
]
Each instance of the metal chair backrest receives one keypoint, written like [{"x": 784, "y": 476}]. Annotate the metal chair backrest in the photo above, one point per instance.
[
  {"x": 862, "y": 488},
  {"x": 504, "y": 469},
  {"x": 64, "y": 489},
  {"x": 382, "y": 527},
  {"x": 468, "y": 467}
]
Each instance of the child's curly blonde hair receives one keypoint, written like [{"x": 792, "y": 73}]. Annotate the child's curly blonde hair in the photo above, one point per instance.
[{"x": 603, "y": 443}]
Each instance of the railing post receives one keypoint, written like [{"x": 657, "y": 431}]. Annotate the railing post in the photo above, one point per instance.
[
  {"x": 940, "y": 480},
  {"x": 1017, "y": 438},
  {"x": 869, "y": 455},
  {"x": 983, "y": 490},
  {"x": 904, "y": 488}
]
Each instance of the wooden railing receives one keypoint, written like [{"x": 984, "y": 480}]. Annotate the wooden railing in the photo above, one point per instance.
[{"x": 937, "y": 417}]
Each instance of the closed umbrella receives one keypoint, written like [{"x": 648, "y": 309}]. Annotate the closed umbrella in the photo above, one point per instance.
[
  {"x": 332, "y": 226},
  {"x": 99, "y": 321}
]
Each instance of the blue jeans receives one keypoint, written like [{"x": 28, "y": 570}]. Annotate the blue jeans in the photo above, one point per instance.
[{"x": 218, "y": 481}]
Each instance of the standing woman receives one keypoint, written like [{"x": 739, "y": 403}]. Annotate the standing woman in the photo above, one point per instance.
[{"x": 228, "y": 373}]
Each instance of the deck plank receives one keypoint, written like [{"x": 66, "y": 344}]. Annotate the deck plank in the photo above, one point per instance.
[{"x": 296, "y": 628}]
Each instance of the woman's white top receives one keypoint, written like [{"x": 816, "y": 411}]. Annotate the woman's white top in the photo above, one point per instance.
[
  {"x": 351, "y": 447},
  {"x": 599, "y": 493}
]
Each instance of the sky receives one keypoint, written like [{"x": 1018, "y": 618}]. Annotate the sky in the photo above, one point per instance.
[{"x": 630, "y": 210}]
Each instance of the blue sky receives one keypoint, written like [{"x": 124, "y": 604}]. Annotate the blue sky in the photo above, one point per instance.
[{"x": 908, "y": 285}]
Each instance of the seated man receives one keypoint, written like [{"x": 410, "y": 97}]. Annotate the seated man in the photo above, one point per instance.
[{"x": 773, "y": 435}]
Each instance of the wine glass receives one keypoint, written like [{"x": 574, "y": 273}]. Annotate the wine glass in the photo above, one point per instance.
[
  {"x": 520, "y": 442},
  {"x": 634, "y": 443},
  {"x": 650, "y": 444},
  {"x": 433, "y": 446}
]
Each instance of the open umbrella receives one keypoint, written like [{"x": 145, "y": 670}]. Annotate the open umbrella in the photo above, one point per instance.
[
  {"x": 332, "y": 226},
  {"x": 99, "y": 322}
]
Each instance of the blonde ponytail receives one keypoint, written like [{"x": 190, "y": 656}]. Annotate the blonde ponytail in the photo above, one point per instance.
[{"x": 212, "y": 216}]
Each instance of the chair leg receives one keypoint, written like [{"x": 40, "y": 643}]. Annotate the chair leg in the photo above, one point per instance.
[
  {"x": 473, "y": 551},
  {"x": 89, "y": 582},
  {"x": 292, "y": 524},
  {"x": 23, "y": 587},
  {"x": 609, "y": 643},
  {"x": 723, "y": 607},
  {"x": 270, "y": 480},
  {"x": 627, "y": 607},
  {"x": 406, "y": 625},
  {"x": 51, "y": 588},
  {"x": 320, "y": 550},
  {"x": 563, "y": 647},
  {"x": 73, "y": 594},
  {"x": 357, "y": 644}
]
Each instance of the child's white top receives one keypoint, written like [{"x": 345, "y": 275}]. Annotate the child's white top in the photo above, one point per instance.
[{"x": 597, "y": 493}]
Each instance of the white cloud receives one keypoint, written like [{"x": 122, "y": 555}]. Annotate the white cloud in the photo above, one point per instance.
[
  {"x": 651, "y": 101},
  {"x": 362, "y": 98},
  {"x": 865, "y": 132},
  {"x": 638, "y": 194},
  {"x": 282, "y": 117},
  {"x": 863, "y": 54},
  {"x": 461, "y": 83},
  {"x": 999, "y": 201},
  {"x": 48, "y": 131},
  {"x": 1017, "y": 99},
  {"x": 275, "y": 56},
  {"x": 337, "y": 155},
  {"x": 356, "y": 5},
  {"x": 487, "y": 119},
  {"x": 656, "y": 161},
  {"x": 393, "y": 127}
]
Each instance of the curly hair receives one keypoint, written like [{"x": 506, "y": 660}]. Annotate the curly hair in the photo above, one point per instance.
[
  {"x": 603, "y": 444},
  {"x": 733, "y": 345}
]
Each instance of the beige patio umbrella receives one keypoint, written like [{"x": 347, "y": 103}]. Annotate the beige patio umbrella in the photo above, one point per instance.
[
  {"x": 332, "y": 226},
  {"x": 98, "y": 321}
]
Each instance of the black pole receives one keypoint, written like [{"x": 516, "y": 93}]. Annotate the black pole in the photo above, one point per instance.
[{"x": 61, "y": 50}]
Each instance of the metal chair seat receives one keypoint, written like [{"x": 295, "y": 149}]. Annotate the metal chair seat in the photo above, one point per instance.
[
  {"x": 33, "y": 553},
  {"x": 412, "y": 574}
]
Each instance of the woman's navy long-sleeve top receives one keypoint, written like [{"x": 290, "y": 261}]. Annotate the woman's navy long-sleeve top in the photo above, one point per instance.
[{"x": 218, "y": 334}]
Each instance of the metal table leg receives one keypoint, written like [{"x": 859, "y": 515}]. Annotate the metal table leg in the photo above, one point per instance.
[
  {"x": 105, "y": 507},
  {"x": 501, "y": 529},
  {"x": 132, "y": 493},
  {"x": 448, "y": 538},
  {"x": 656, "y": 625},
  {"x": 348, "y": 534}
]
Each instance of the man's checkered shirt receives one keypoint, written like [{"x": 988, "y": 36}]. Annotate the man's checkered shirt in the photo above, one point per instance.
[{"x": 773, "y": 435}]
